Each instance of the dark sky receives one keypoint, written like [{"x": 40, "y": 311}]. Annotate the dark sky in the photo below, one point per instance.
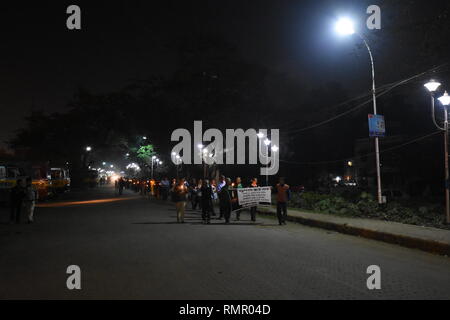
[{"x": 42, "y": 63}]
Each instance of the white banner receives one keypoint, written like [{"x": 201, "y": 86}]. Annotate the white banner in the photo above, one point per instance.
[{"x": 249, "y": 197}]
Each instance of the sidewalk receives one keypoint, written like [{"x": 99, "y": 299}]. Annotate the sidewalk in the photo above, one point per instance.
[{"x": 411, "y": 236}]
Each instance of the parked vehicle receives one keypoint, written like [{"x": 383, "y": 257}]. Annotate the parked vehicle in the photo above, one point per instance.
[
  {"x": 92, "y": 178},
  {"x": 41, "y": 180},
  {"x": 8, "y": 180},
  {"x": 60, "y": 180}
]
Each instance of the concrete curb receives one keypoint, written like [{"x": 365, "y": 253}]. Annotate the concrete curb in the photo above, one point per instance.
[{"x": 405, "y": 241}]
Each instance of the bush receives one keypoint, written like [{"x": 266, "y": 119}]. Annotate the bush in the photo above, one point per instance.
[{"x": 364, "y": 205}]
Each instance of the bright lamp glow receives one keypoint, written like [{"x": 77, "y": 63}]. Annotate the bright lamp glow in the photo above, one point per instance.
[
  {"x": 445, "y": 99},
  {"x": 275, "y": 149},
  {"x": 344, "y": 26},
  {"x": 88, "y": 149},
  {"x": 200, "y": 146},
  {"x": 267, "y": 142},
  {"x": 178, "y": 157},
  {"x": 432, "y": 85},
  {"x": 260, "y": 135}
]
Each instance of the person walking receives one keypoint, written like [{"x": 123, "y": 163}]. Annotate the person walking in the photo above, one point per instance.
[
  {"x": 214, "y": 196},
  {"x": 236, "y": 206},
  {"x": 17, "y": 197},
  {"x": 165, "y": 185},
  {"x": 192, "y": 193},
  {"x": 225, "y": 200},
  {"x": 282, "y": 190},
  {"x": 179, "y": 197},
  {"x": 198, "y": 195},
  {"x": 206, "y": 201},
  {"x": 253, "y": 184},
  {"x": 29, "y": 200},
  {"x": 121, "y": 185},
  {"x": 219, "y": 187}
]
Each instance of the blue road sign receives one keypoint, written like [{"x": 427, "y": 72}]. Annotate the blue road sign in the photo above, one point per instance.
[{"x": 377, "y": 126}]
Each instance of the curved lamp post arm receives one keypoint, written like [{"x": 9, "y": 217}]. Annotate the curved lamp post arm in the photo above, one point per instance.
[
  {"x": 373, "y": 72},
  {"x": 433, "y": 116}
]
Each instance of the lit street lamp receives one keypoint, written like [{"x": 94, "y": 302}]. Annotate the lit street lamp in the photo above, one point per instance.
[
  {"x": 345, "y": 27},
  {"x": 432, "y": 86},
  {"x": 177, "y": 161},
  {"x": 88, "y": 149},
  {"x": 154, "y": 159},
  {"x": 267, "y": 143}
]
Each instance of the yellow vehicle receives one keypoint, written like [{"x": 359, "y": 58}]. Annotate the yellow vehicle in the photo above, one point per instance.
[
  {"x": 60, "y": 180},
  {"x": 41, "y": 182},
  {"x": 8, "y": 180}
]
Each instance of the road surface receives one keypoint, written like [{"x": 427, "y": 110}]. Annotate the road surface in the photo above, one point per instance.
[{"x": 132, "y": 248}]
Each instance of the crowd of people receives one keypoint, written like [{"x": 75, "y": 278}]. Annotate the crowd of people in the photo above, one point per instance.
[{"x": 205, "y": 195}]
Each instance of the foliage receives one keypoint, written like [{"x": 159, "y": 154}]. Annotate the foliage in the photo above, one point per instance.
[
  {"x": 365, "y": 206},
  {"x": 145, "y": 153}
]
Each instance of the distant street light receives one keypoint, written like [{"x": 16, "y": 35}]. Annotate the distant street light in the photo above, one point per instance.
[
  {"x": 104, "y": 163},
  {"x": 345, "y": 27},
  {"x": 432, "y": 86},
  {"x": 88, "y": 149}
]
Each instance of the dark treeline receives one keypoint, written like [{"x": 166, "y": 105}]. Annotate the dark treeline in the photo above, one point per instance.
[{"x": 215, "y": 84}]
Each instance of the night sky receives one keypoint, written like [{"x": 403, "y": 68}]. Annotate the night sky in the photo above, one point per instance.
[{"x": 43, "y": 63}]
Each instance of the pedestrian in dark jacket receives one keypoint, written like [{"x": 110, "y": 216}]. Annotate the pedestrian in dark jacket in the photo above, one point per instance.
[
  {"x": 225, "y": 200},
  {"x": 206, "y": 190},
  {"x": 18, "y": 194}
]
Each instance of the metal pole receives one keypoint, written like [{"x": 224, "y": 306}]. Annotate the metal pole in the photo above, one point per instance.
[
  {"x": 447, "y": 203},
  {"x": 377, "y": 146},
  {"x": 267, "y": 169},
  {"x": 152, "y": 169}
]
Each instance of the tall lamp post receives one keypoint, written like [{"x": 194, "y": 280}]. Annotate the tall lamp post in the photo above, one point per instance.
[
  {"x": 432, "y": 86},
  {"x": 345, "y": 26},
  {"x": 154, "y": 158},
  {"x": 267, "y": 143}
]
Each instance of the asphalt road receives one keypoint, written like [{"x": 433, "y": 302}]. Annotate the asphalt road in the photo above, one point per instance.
[{"x": 133, "y": 249}]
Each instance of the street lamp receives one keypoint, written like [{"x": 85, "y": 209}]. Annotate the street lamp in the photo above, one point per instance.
[
  {"x": 154, "y": 158},
  {"x": 432, "y": 86},
  {"x": 267, "y": 143},
  {"x": 445, "y": 100},
  {"x": 345, "y": 27},
  {"x": 88, "y": 149},
  {"x": 178, "y": 161}
]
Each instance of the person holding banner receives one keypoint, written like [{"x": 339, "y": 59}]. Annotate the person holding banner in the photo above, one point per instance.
[
  {"x": 282, "y": 199},
  {"x": 253, "y": 184}
]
